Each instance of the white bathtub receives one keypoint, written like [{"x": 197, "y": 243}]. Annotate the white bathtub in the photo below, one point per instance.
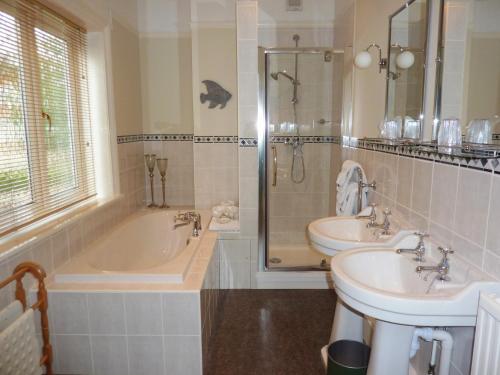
[{"x": 144, "y": 248}]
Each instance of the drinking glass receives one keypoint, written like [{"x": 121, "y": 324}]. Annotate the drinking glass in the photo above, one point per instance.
[
  {"x": 449, "y": 135},
  {"x": 479, "y": 131}
]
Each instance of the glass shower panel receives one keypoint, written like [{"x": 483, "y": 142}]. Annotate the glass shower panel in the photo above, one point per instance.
[{"x": 300, "y": 129}]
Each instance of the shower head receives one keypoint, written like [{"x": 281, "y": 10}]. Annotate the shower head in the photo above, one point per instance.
[{"x": 275, "y": 76}]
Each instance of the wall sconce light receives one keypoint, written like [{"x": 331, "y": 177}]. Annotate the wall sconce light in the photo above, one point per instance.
[{"x": 363, "y": 59}]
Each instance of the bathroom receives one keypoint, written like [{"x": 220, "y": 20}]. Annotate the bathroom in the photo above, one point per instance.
[{"x": 250, "y": 108}]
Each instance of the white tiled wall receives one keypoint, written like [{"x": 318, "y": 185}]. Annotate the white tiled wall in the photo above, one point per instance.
[
  {"x": 216, "y": 177},
  {"x": 458, "y": 206}
]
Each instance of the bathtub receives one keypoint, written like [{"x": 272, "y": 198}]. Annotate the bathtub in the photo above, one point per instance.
[{"x": 144, "y": 248}]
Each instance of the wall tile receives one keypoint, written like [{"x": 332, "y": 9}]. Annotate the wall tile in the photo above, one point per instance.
[
  {"x": 181, "y": 313},
  {"x": 110, "y": 355},
  {"x": 143, "y": 313},
  {"x": 405, "y": 181},
  {"x": 145, "y": 355},
  {"x": 422, "y": 181},
  {"x": 183, "y": 355},
  {"x": 493, "y": 237},
  {"x": 73, "y": 354},
  {"x": 106, "y": 313},
  {"x": 444, "y": 186},
  {"x": 472, "y": 204},
  {"x": 69, "y": 313}
]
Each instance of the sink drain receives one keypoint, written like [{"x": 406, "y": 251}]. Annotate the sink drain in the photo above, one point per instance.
[{"x": 275, "y": 260}]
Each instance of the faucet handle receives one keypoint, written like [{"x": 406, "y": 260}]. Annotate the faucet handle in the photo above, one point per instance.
[
  {"x": 387, "y": 211},
  {"x": 445, "y": 251},
  {"x": 421, "y": 235}
]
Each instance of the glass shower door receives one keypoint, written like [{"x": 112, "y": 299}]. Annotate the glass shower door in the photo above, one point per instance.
[{"x": 301, "y": 121}]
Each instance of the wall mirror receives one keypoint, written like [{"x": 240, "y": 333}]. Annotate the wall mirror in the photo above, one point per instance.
[
  {"x": 408, "y": 29},
  {"x": 469, "y": 88}
]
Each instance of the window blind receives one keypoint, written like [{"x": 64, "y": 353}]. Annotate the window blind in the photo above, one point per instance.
[{"x": 46, "y": 161}]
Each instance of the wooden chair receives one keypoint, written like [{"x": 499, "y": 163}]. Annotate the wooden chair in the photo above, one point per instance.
[{"x": 41, "y": 304}]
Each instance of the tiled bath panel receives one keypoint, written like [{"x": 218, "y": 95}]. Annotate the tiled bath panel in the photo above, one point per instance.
[
  {"x": 180, "y": 172},
  {"x": 135, "y": 332},
  {"x": 457, "y": 205}
]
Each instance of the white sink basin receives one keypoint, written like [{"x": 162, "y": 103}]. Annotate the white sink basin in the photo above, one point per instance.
[
  {"x": 333, "y": 234},
  {"x": 383, "y": 284}
]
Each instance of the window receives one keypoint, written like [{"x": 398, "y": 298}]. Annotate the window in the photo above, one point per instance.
[{"x": 46, "y": 161}]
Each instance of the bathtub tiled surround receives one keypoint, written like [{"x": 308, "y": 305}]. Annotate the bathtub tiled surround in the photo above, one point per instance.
[
  {"x": 138, "y": 328},
  {"x": 65, "y": 239}
]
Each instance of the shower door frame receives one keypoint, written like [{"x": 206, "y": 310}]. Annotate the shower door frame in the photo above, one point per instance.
[{"x": 262, "y": 139}]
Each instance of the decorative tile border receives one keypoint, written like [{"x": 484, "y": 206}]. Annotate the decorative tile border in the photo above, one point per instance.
[
  {"x": 129, "y": 138},
  {"x": 486, "y": 161},
  {"x": 168, "y": 137},
  {"x": 153, "y": 137},
  {"x": 307, "y": 139},
  {"x": 216, "y": 139},
  {"x": 248, "y": 142}
]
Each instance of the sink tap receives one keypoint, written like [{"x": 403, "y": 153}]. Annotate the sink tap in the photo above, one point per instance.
[
  {"x": 187, "y": 218},
  {"x": 361, "y": 186},
  {"x": 442, "y": 268},
  {"x": 386, "y": 224},
  {"x": 419, "y": 251},
  {"x": 372, "y": 217}
]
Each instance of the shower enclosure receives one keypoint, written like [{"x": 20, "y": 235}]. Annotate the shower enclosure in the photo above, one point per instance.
[{"x": 300, "y": 115}]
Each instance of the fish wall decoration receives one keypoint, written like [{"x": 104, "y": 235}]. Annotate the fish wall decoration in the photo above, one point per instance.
[{"x": 216, "y": 95}]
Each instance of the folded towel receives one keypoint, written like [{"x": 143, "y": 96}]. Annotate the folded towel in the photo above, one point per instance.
[
  {"x": 19, "y": 347},
  {"x": 9, "y": 314},
  {"x": 348, "y": 206},
  {"x": 346, "y": 173},
  {"x": 347, "y": 188},
  {"x": 230, "y": 226}
]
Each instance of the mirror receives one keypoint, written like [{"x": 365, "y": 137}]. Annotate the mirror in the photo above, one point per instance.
[
  {"x": 406, "y": 67},
  {"x": 469, "y": 88}
]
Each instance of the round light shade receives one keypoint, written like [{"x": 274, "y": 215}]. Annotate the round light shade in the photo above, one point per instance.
[
  {"x": 363, "y": 60},
  {"x": 405, "y": 60}
]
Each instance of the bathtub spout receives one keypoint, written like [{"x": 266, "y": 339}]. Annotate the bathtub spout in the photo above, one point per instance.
[{"x": 189, "y": 217}]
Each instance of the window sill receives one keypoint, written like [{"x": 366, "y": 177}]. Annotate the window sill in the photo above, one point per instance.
[{"x": 15, "y": 242}]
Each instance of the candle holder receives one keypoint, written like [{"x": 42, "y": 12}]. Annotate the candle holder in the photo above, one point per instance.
[
  {"x": 162, "y": 167},
  {"x": 150, "y": 163}
]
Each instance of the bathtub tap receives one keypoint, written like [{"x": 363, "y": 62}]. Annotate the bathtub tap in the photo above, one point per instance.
[{"x": 189, "y": 217}]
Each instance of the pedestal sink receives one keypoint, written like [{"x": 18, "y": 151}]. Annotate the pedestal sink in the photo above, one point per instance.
[
  {"x": 330, "y": 235},
  {"x": 380, "y": 283}
]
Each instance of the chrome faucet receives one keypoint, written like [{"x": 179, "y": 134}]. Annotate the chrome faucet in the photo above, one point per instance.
[
  {"x": 187, "y": 218},
  {"x": 372, "y": 217},
  {"x": 442, "y": 268},
  {"x": 361, "y": 186},
  {"x": 386, "y": 224},
  {"x": 419, "y": 250}
]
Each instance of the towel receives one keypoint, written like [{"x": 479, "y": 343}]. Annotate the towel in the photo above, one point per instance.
[
  {"x": 349, "y": 167},
  {"x": 19, "y": 347},
  {"x": 9, "y": 314},
  {"x": 348, "y": 207},
  {"x": 347, "y": 189}
]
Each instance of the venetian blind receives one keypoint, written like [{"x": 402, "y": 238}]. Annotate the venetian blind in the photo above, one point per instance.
[{"x": 46, "y": 161}]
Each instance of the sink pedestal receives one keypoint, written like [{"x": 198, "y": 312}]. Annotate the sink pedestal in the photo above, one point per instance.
[
  {"x": 391, "y": 346},
  {"x": 347, "y": 324}
]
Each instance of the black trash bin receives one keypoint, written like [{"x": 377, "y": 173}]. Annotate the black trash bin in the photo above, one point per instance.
[{"x": 346, "y": 357}]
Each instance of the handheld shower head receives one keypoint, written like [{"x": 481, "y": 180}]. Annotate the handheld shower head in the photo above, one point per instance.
[{"x": 274, "y": 76}]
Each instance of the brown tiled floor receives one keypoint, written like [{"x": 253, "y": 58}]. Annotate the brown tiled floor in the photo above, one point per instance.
[{"x": 271, "y": 332}]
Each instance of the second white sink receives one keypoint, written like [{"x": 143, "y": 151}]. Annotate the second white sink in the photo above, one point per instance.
[{"x": 330, "y": 235}]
